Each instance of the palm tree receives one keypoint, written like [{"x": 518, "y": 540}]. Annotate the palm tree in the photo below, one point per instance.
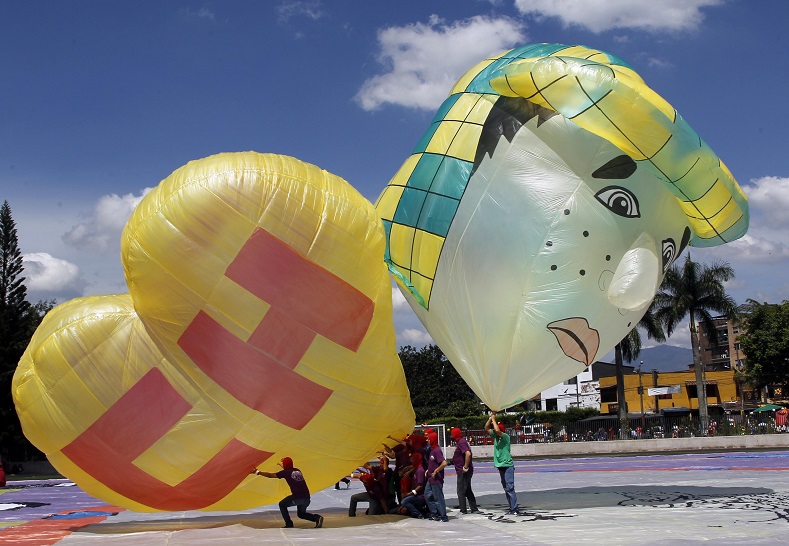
[
  {"x": 695, "y": 290},
  {"x": 629, "y": 348}
]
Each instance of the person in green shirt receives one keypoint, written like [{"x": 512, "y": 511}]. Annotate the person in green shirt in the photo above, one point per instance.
[{"x": 502, "y": 459}]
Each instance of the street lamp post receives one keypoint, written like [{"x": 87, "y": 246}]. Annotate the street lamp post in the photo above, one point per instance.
[
  {"x": 657, "y": 396},
  {"x": 742, "y": 383},
  {"x": 641, "y": 393}
]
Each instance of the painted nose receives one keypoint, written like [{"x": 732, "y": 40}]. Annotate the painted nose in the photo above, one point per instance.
[{"x": 635, "y": 281}]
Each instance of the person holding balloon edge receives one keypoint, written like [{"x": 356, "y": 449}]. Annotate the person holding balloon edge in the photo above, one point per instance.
[
  {"x": 300, "y": 493},
  {"x": 502, "y": 460}
]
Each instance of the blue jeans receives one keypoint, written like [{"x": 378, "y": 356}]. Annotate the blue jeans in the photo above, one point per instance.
[
  {"x": 415, "y": 505},
  {"x": 507, "y": 474},
  {"x": 434, "y": 497},
  {"x": 301, "y": 509}
]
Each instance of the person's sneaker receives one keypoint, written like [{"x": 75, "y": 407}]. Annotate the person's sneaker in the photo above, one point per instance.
[
  {"x": 464, "y": 511},
  {"x": 435, "y": 518},
  {"x": 288, "y": 526},
  {"x": 319, "y": 523},
  {"x": 443, "y": 520},
  {"x": 475, "y": 511}
]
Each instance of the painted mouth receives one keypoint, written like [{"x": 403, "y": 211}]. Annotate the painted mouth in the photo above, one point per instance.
[{"x": 577, "y": 339}]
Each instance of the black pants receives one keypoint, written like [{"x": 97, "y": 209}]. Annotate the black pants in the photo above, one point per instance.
[
  {"x": 465, "y": 492},
  {"x": 301, "y": 509}
]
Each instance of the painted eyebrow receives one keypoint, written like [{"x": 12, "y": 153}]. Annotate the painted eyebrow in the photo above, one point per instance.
[{"x": 620, "y": 167}]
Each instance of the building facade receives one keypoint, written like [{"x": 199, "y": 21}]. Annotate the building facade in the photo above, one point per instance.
[
  {"x": 725, "y": 353},
  {"x": 581, "y": 391},
  {"x": 651, "y": 392}
]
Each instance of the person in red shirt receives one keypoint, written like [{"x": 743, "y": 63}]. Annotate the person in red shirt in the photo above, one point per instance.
[
  {"x": 299, "y": 493},
  {"x": 780, "y": 419},
  {"x": 401, "y": 453}
]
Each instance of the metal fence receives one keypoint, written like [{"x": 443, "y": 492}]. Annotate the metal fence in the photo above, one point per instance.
[
  {"x": 666, "y": 426},
  {"x": 602, "y": 428}
]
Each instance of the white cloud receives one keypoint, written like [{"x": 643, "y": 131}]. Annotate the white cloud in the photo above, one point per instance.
[
  {"x": 424, "y": 60},
  {"x": 602, "y": 15},
  {"x": 46, "y": 274},
  {"x": 399, "y": 302},
  {"x": 309, "y": 9},
  {"x": 202, "y": 13},
  {"x": 414, "y": 337},
  {"x": 410, "y": 330},
  {"x": 104, "y": 227},
  {"x": 770, "y": 195},
  {"x": 659, "y": 63},
  {"x": 680, "y": 337},
  {"x": 735, "y": 284},
  {"x": 749, "y": 248}
]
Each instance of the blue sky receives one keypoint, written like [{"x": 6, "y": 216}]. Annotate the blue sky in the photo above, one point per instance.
[{"x": 101, "y": 100}]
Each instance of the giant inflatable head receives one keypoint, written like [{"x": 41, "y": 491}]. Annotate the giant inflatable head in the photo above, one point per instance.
[{"x": 532, "y": 225}]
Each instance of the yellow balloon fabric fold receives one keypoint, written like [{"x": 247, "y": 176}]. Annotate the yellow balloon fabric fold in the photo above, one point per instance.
[{"x": 258, "y": 326}]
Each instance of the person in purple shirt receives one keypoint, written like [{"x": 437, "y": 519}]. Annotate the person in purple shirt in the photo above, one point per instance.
[
  {"x": 464, "y": 468},
  {"x": 434, "y": 493},
  {"x": 299, "y": 493},
  {"x": 414, "y": 500}
]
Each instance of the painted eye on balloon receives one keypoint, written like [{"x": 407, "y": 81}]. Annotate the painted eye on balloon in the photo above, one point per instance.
[
  {"x": 620, "y": 201},
  {"x": 669, "y": 253}
]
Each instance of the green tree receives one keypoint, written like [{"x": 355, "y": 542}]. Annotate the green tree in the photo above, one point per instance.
[
  {"x": 629, "y": 349},
  {"x": 436, "y": 388},
  {"x": 18, "y": 321},
  {"x": 13, "y": 305},
  {"x": 765, "y": 341},
  {"x": 695, "y": 290}
]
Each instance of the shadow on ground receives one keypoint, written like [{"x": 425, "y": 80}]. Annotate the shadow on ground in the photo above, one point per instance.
[
  {"x": 628, "y": 495},
  {"x": 334, "y": 517},
  {"x": 535, "y": 505}
]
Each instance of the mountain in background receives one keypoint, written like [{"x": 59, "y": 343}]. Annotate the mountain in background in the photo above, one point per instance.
[{"x": 663, "y": 358}]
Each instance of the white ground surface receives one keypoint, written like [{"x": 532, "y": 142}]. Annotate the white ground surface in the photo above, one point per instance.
[{"x": 681, "y": 502}]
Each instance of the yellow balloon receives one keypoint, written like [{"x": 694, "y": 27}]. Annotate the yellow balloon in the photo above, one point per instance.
[
  {"x": 96, "y": 395},
  {"x": 259, "y": 279}
]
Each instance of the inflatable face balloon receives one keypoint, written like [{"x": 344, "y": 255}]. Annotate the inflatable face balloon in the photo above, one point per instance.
[
  {"x": 258, "y": 326},
  {"x": 533, "y": 224}
]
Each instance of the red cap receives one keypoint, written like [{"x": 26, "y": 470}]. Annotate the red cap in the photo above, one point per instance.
[
  {"x": 286, "y": 462},
  {"x": 417, "y": 441},
  {"x": 502, "y": 427},
  {"x": 433, "y": 439},
  {"x": 416, "y": 459},
  {"x": 457, "y": 434}
]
